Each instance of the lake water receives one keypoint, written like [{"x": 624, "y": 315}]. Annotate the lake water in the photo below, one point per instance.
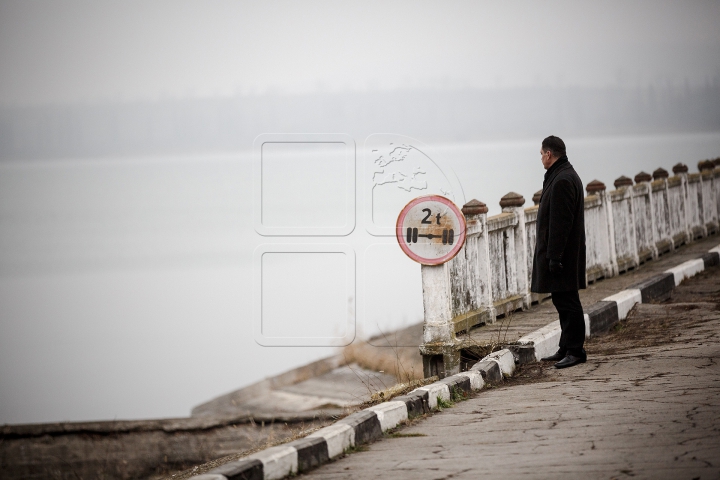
[{"x": 126, "y": 285}]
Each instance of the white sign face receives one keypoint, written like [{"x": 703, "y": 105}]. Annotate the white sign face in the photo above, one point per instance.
[{"x": 431, "y": 230}]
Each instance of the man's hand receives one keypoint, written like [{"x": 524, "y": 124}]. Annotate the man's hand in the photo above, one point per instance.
[{"x": 555, "y": 266}]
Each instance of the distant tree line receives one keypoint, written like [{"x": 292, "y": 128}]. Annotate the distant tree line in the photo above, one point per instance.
[{"x": 221, "y": 124}]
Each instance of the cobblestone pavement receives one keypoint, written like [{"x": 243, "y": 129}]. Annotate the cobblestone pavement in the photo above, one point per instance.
[{"x": 646, "y": 405}]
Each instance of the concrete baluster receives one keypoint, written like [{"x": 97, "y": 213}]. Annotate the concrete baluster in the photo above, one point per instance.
[
  {"x": 716, "y": 174},
  {"x": 709, "y": 198},
  {"x": 681, "y": 170},
  {"x": 475, "y": 213},
  {"x": 663, "y": 216},
  {"x": 622, "y": 181},
  {"x": 596, "y": 187},
  {"x": 644, "y": 178},
  {"x": 626, "y": 183},
  {"x": 517, "y": 254},
  {"x": 438, "y": 348},
  {"x": 536, "y": 197},
  {"x": 531, "y": 240},
  {"x": 705, "y": 204}
]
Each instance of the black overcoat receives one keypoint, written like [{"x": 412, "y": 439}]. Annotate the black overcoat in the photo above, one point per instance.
[{"x": 560, "y": 231}]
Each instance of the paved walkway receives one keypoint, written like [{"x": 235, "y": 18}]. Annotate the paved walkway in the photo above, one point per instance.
[{"x": 646, "y": 411}]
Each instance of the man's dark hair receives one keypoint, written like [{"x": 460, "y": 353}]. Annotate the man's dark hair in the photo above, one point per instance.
[{"x": 554, "y": 145}]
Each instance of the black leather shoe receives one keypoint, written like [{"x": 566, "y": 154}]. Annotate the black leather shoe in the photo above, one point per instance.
[
  {"x": 557, "y": 356},
  {"x": 570, "y": 361}
]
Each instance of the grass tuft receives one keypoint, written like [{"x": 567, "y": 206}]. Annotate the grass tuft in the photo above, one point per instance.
[
  {"x": 404, "y": 435},
  {"x": 397, "y": 390},
  {"x": 356, "y": 449},
  {"x": 442, "y": 403},
  {"x": 457, "y": 394}
]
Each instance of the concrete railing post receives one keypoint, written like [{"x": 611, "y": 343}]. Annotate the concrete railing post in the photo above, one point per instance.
[
  {"x": 598, "y": 188},
  {"x": 531, "y": 241},
  {"x": 629, "y": 225},
  {"x": 644, "y": 179},
  {"x": 662, "y": 211},
  {"x": 517, "y": 256},
  {"x": 438, "y": 348},
  {"x": 622, "y": 181},
  {"x": 475, "y": 213},
  {"x": 536, "y": 197},
  {"x": 716, "y": 174},
  {"x": 709, "y": 198},
  {"x": 694, "y": 206},
  {"x": 681, "y": 170}
]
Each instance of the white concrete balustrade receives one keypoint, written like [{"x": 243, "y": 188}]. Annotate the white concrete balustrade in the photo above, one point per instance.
[{"x": 625, "y": 227}]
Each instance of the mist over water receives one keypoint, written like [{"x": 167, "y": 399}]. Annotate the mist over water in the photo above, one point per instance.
[{"x": 125, "y": 284}]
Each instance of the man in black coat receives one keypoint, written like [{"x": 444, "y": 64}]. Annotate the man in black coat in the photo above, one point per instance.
[{"x": 559, "y": 261}]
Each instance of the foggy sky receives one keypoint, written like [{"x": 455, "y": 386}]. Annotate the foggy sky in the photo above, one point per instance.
[{"x": 60, "y": 52}]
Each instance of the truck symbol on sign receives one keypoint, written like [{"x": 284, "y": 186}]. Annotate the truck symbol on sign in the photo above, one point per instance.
[
  {"x": 429, "y": 237},
  {"x": 448, "y": 236}
]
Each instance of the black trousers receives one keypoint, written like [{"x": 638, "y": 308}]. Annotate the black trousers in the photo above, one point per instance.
[{"x": 572, "y": 322}]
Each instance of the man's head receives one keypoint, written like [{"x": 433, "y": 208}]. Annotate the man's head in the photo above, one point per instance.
[{"x": 552, "y": 148}]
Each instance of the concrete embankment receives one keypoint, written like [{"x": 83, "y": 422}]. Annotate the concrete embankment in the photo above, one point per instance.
[
  {"x": 272, "y": 410},
  {"x": 137, "y": 449}
]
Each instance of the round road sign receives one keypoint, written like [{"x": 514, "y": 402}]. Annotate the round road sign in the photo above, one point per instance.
[{"x": 430, "y": 230}]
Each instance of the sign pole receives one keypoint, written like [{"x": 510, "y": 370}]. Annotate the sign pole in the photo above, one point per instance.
[
  {"x": 431, "y": 230},
  {"x": 438, "y": 348}
]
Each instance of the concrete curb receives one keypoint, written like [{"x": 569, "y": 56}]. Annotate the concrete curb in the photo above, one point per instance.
[
  {"x": 488, "y": 370},
  {"x": 369, "y": 424},
  {"x": 657, "y": 288},
  {"x": 505, "y": 360},
  {"x": 687, "y": 270},
  {"x": 625, "y": 301},
  {"x": 358, "y": 428},
  {"x": 543, "y": 341}
]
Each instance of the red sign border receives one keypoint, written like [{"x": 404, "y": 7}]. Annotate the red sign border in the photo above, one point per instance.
[{"x": 400, "y": 237}]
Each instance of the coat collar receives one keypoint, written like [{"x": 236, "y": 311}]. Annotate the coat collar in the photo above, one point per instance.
[{"x": 557, "y": 167}]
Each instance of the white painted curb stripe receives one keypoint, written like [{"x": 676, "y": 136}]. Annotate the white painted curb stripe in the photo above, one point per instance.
[
  {"x": 338, "y": 436},
  {"x": 505, "y": 360},
  {"x": 626, "y": 300},
  {"x": 546, "y": 340},
  {"x": 686, "y": 270},
  {"x": 476, "y": 380},
  {"x": 390, "y": 414},
  {"x": 587, "y": 325},
  {"x": 715, "y": 250},
  {"x": 435, "y": 390},
  {"x": 278, "y": 462}
]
